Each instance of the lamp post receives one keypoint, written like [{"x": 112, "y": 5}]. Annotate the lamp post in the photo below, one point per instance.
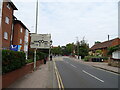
[{"x": 35, "y": 50}]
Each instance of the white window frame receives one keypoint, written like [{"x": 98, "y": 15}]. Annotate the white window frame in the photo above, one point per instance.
[
  {"x": 8, "y": 5},
  {"x": 6, "y": 35},
  {"x": 7, "y": 20},
  {"x": 20, "y": 41},
  {"x": 21, "y": 30}
]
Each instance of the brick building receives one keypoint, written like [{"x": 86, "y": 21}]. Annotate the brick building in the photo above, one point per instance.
[
  {"x": 7, "y": 23},
  {"x": 20, "y": 35},
  {"x": 105, "y": 45}
]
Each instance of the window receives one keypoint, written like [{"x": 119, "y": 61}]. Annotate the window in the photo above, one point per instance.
[
  {"x": 21, "y": 30},
  {"x": 5, "y": 35},
  {"x": 7, "y": 20},
  {"x": 8, "y": 6},
  {"x": 20, "y": 41}
]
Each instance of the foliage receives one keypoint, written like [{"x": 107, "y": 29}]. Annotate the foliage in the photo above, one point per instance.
[
  {"x": 83, "y": 48},
  {"x": 29, "y": 61},
  {"x": 87, "y": 58},
  {"x": 112, "y": 49},
  {"x": 97, "y": 42},
  {"x": 39, "y": 55},
  {"x": 69, "y": 48},
  {"x": 98, "y": 52},
  {"x": 56, "y": 50},
  {"x": 12, "y": 60}
]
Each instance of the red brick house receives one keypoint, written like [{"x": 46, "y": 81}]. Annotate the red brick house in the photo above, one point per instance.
[
  {"x": 105, "y": 45},
  {"x": 6, "y": 23}
]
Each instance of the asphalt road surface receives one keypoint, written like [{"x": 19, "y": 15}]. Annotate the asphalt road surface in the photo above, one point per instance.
[{"x": 78, "y": 75}]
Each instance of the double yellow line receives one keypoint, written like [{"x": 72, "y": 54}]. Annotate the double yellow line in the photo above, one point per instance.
[{"x": 59, "y": 80}]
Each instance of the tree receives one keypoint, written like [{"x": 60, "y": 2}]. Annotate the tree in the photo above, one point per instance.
[
  {"x": 70, "y": 48},
  {"x": 83, "y": 48},
  {"x": 56, "y": 50},
  {"x": 97, "y": 42}
]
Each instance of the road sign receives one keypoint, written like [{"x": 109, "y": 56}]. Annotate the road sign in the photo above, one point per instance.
[{"x": 42, "y": 41}]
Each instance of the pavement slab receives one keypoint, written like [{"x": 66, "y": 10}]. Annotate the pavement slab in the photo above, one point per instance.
[{"x": 43, "y": 77}]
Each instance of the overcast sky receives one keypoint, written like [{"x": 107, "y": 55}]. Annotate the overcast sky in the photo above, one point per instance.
[{"x": 66, "y": 20}]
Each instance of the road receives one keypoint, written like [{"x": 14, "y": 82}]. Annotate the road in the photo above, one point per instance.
[{"x": 78, "y": 75}]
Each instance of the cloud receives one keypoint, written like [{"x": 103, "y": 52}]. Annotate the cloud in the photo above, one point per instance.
[
  {"x": 94, "y": 20},
  {"x": 66, "y": 20}
]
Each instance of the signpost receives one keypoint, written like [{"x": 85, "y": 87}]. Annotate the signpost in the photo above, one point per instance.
[{"x": 40, "y": 41}]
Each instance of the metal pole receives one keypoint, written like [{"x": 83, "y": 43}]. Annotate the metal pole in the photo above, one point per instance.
[
  {"x": 77, "y": 47},
  {"x": 49, "y": 53},
  {"x": 36, "y": 33},
  {"x": 36, "y": 17},
  {"x": 35, "y": 59},
  {"x": 108, "y": 37}
]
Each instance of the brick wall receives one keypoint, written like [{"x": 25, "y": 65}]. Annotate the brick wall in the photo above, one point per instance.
[
  {"x": 19, "y": 35},
  {"x": 6, "y": 27},
  {"x": 11, "y": 77}
]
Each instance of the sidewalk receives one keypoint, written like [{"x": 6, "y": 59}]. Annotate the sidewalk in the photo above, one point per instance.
[
  {"x": 101, "y": 65},
  {"x": 43, "y": 77}
]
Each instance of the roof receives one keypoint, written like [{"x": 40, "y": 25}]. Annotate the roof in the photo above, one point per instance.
[
  {"x": 102, "y": 45},
  {"x": 11, "y": 3},
  {"x": 18, "y": 21}
]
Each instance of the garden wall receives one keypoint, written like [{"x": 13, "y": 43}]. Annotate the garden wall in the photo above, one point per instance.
[
  {"x": 9, "y": 78},
  {"x": 114, "y": 62}
]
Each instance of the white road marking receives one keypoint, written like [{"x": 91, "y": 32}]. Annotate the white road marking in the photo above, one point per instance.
[
  {"x": 93, "y": 76},
  {"x": 73, "y": 66}
]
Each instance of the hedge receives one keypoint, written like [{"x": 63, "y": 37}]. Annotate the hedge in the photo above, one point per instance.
[
  {"x": 39, "y": 55},
  {"x": 12, "y": 60},
  {"x": 88, "y": 58}
]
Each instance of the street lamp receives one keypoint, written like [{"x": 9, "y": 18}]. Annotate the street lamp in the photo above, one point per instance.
[{"x": 36, "y": 33}]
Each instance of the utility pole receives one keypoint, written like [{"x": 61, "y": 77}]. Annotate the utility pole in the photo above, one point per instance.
[
  {"x": 36, "y": 33},
  {"x": 77, "y": 47},
  {"x": 108, "y": 37}
]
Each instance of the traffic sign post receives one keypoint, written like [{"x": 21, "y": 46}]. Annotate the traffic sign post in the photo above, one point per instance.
[{"x": 40, "y": 41}]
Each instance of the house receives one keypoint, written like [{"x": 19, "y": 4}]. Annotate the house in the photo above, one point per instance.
[
  {"x": 103, "y": 46},
  {"x": 20, "y": 35},
  {"x": 116, "y": 54},
  {"x": 7, "y": 23}
]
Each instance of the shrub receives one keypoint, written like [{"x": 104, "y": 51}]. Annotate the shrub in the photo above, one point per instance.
[
  {"x": 39, "y": 55},
  {"x": 29, "y": 61},
  {"x": 12, "y": 60},
  {"x": 87, "y": 58},
  {"x": 112, "y": 49}
]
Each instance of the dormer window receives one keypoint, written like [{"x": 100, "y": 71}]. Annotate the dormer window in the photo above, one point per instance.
[{"x": 8, "y": 5}]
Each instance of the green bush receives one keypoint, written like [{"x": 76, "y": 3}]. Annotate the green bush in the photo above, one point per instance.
[
  {"x": 12, "y": 60},
  {"x": 29, "y": 61},
  {"x": 113, "y": 49},
  {"x": 87, "y": 58},
  {"x": 39, "y": 55}
]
